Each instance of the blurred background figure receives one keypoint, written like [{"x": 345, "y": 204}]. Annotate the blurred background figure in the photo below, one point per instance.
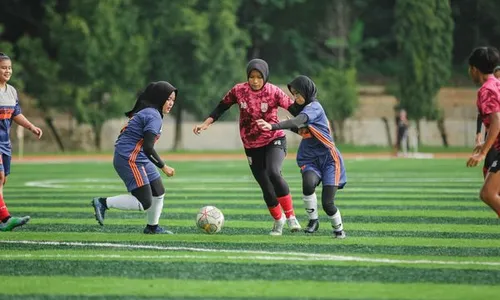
[{"x": 402, "y": 142}]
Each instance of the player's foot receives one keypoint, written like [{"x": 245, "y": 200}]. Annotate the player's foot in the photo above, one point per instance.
[
  {"x": 293, "y": 224},
  {"x": 14, "y": 222},
  {"x": 312, "y": 226},
  {"x": 99, "y": 210},
  {"x": 156, "y": 230},
  {"x": 339, "y": 234},
  {"x": 278, "y": 226}
]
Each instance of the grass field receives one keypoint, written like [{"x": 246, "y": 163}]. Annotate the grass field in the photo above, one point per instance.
[{"x": 416, "y": 230}]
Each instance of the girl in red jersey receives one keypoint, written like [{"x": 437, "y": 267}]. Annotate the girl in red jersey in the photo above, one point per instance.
[
  {"x": 492, "y": 153},
  {"x": 482, "y": 63},
  {"x": 259, "y": 99}
]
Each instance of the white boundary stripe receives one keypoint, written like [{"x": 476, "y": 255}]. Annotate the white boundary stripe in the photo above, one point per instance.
[
  {"x": 116, "y": 183},
  {"x": 259, "y": 255}
]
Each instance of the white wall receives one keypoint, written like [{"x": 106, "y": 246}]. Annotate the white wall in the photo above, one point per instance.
[{"x": 225, "y": 135}]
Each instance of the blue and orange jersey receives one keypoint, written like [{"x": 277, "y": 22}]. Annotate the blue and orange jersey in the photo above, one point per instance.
[
  {"x": 131, "y": 138},
  {"x": 317, "y": 136},
  {"x": 9, "y": 108}
]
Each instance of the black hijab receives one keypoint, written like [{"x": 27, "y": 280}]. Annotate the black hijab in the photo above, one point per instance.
[
  {"x": 155, "y": 95},
  {"x": 259, "y": 65},
  {"x": 306, "y": 87}
]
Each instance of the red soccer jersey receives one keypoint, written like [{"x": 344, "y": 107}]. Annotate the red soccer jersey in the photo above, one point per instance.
[
  {"x": 488, "y": 102},
  {"x": 254, "y": 105}
]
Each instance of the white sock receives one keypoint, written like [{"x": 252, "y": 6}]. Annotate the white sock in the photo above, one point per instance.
[
  {"x": 311, "y": 206},
  {"x": 154, "y": 212},
  {"x": 337, "y": 221},
  {"x": 124, "y": 202}
]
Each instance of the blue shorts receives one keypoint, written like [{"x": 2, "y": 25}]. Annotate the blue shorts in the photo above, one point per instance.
[
  {"x": 330, "y": 171},
  {"x": 135, "y": 174},
  {"x": 5, "y": 164}
]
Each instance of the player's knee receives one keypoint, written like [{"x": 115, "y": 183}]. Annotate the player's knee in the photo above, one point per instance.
[
  {"x": 308, "y": 189},
  {"x": 329, "y": 208},
  {"x": 146, "y": 203},
  {"x": 274, "y": 175},
  {"x": 485, "y": 195}
]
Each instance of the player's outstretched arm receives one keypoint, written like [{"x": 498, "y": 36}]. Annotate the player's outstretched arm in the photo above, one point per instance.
[
  {"x": 203, "y": 126},
  {"x": 226, "y": 102},
  {"x": 152, "y": 155},
  {"x": 295, "y": 122},
  {"x": 493, "y": 131},
  {"x": 21, "y": 120},
  {"x": 479, "y": 139}
]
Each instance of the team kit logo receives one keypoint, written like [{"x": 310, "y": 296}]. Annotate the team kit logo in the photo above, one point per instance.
[{"x": 264, "y": 107}]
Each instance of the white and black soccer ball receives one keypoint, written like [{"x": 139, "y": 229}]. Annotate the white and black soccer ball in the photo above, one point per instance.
[{"x": 210, "y": 219}]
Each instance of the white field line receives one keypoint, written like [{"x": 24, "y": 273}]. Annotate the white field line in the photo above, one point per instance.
[
  {"x": 251, "y": 254},
  {"x": 101, "y": 183}
]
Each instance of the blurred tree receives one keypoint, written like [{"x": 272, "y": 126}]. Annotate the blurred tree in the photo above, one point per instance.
[
  {"x": 477, "y": 23},
  {"x": 41, "y": 81},
  {"x": 101, "y": 55},
  {"x": 197, "y": 46},
  {"x": 424, "y": 32},
  {"x": 339, "y": 96},
  {"x": 7, "y": 48},
  {"x": 34, "y": 72}
]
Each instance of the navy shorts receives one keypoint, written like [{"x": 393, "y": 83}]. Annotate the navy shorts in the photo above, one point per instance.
[
  {"x": 5, "y": 164},
  {"x": 135, "y": 174},
  {"x": 331, "y": 171}
]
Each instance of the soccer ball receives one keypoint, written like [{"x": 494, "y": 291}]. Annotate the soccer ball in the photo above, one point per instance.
[{"x": 210, "y": 219}]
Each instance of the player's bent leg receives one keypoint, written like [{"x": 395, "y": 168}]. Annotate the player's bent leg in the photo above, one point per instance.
[
  {"x": 490, "y": 192},
  {"x": 256, "y": 160},
  {"x": 154, "y": 212},
  {"x": 333, "y": 213},
  {"x": 275, "y": 154},
  {"x": 309, "y": 182}
]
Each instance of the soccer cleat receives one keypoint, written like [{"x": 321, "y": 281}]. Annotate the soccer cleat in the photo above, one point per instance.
[
  {"x": 99, "y": 210},
  {"x": 156, "y": 230},
  {"x": 14, "y": 222},
  {"x": 339, "y": 234},
  {"x": 312, "y": 226},
  {"x": 293, "y": 224},
  {"x": 278, "y": 226}
]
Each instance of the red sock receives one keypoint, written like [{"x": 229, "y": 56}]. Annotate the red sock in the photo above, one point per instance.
[
  {"x": 4, "y": 213},
  {"x": 275, "y": 212},
  {"x": 287, "y": 204}
]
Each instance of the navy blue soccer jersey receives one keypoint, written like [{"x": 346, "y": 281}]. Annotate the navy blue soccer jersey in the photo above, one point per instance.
[
  {"x": 131, "y": 138},
  {"x": 9, "y": 108},
  {"x": 317, "y": 135},
  {"x": 317, "y": 151}
]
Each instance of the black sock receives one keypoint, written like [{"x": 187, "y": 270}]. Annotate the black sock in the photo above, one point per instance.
[
  {"x": 103, "y": 202},
  {"x": 153, "y": 226},
  {"x": 4, "y": 220}
]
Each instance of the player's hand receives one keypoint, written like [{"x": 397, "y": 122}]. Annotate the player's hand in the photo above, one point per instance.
[
  {"x": 477, "y": 149},
  {"x": 478, "y": 140},
  {"x": 36, "y": 131},
  {"x": 475, "y": 159},
  {"x": 199, "y": 128},
  {"x": 263, "y": 125},
  {"x": 169, "y": 171}
]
